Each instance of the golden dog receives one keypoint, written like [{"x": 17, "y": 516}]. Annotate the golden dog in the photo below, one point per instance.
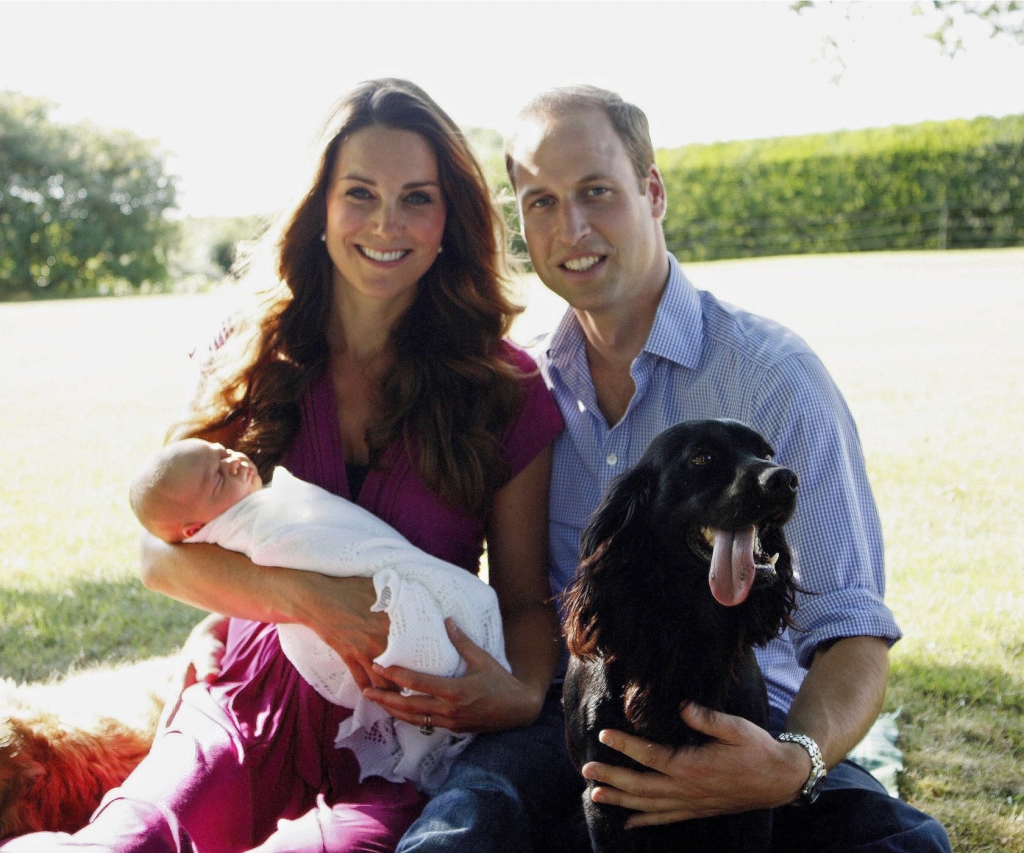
[{"x": 64, "y": 744}]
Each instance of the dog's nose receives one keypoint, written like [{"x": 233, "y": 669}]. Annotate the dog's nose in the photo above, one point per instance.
[{"x": 780, "y": 480}]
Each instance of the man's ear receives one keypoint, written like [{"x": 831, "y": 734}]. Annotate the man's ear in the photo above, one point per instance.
[
  {"x": 190, "y": 530},
  {"x": 656, "y": 192}
]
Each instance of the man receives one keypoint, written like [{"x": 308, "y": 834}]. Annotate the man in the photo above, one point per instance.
[{"x": 639, "y": 350}]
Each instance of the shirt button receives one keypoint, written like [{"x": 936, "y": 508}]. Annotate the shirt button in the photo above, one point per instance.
[{"x": 612, "y": 459}]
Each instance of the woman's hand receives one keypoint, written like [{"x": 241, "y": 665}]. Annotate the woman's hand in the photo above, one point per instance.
[
  {"x": 204, "y": 649},
  {"x": 487, "y": 698},
  {"x": 338, "y": 610},
  {"x": 212, "y": 578}
]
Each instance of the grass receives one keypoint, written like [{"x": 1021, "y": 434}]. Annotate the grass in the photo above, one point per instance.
[
  {"x": 924, "y": 345},
  {"x": 88, "y": 389}
]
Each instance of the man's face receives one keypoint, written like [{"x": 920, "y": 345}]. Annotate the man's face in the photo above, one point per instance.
[{"x": 593, "y": 232}]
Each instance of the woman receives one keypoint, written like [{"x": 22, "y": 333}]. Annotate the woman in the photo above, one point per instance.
[{"x": 378, "y": 371}]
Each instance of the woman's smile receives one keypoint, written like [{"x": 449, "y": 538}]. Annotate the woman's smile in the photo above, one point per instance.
[
  {"x": 385, "y": 257},
  {"x": 385, "y": 215}
]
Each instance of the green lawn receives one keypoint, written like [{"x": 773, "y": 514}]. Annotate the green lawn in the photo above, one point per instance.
[{"x": 926, "y": 346}]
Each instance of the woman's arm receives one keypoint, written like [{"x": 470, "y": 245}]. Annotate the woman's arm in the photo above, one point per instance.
[
  {"x": 487, "y": 697},
  {"x": 212, "y": 578},
  {"x": 517, "y": 553}
]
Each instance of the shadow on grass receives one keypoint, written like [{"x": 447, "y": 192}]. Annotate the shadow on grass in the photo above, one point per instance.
[
  {"x": 43, "y": 633},
  {"x": 962, "y": 733},
  {"x": 961, "y": 685}
]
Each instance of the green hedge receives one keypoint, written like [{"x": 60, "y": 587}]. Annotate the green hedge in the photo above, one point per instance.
[{"x": 955, "y": 184}]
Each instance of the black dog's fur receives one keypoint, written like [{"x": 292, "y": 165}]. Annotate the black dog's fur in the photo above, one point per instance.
[{"x": 645, "y": 633}]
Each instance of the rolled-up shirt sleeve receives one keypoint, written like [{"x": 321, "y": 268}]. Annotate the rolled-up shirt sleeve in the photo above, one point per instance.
[{"x": 835, "y": 535}]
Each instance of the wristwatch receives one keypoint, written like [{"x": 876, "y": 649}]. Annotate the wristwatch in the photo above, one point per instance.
[{"x": 812, "y": 787}]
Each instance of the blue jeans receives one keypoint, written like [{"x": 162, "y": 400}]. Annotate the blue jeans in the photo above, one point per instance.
[
  {"x": 518, "y": 792},
  {"x": 854, "y": 812},
  {"x": 506, "y": 792}
]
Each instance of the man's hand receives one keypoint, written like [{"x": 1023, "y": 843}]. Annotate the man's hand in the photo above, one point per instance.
[
  {"x": 743, "y": 767},
  {"x": 486, "y": 698}
]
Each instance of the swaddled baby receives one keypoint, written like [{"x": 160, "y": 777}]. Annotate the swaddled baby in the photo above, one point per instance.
[{"x": 196, "y": 491}]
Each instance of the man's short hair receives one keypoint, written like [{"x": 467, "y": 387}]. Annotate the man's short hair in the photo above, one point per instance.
[{"x": 629, "y": 121}]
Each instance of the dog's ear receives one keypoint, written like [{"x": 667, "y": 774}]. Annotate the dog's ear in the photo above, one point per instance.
[
  {"x": 616, "y": 519},
  {"x": 595, "y": 602}
]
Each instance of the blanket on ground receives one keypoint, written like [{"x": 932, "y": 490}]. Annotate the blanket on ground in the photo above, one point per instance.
[
  {"x": 879, "y": 754},
  {"x": 294, "y": 524}
]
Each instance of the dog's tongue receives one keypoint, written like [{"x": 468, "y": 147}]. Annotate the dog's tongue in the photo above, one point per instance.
[{"x": 732, "y": 566}]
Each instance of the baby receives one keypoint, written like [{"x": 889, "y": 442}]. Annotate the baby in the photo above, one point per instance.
[
  {"x": 188, "y": 484},
  {"x": 195, "y": 491}
]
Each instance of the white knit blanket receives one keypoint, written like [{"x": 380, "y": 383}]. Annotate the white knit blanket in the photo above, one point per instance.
[{"x": 294, "y": 524}]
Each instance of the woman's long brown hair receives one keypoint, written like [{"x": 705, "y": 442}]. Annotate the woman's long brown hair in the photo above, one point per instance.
[{"x": 450, "y": 392}]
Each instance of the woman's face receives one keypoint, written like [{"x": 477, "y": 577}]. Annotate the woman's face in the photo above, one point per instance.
[{"x": 385, "y": 215}]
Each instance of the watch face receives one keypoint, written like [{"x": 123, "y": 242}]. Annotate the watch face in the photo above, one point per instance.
[{"x": 812, "y": 794}]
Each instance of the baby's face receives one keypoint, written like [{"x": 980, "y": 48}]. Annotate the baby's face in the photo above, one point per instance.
[{"x": 220, "y": 478}]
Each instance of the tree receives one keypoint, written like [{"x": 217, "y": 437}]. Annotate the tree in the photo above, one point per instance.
[
  {"x": 944, "y": 21},
  {"x": 1003, "y": 20},
  {"x": 82, "y": 209},
  {"x": 489, "y": 147},
  {"x": 234, "y": 238}
]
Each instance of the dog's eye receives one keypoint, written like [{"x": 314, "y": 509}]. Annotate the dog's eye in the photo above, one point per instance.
[{"x": 701, "y": 459}]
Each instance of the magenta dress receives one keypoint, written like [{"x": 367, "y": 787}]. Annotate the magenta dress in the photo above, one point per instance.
[{"x": 249, "y": 762}]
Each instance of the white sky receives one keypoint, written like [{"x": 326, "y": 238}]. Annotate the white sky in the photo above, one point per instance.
[{"x": 235, "y": 91}]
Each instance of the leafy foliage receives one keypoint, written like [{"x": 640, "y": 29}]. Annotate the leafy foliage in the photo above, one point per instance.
[
  {"x": 489, "y": 147},
  {"x": 955, "y": 184},
  {"x": 81, "y": 208},
  {"x": 213, "y": 246},
  {"x": 1004, "y": 19},
  {"x": 948, "y": 23}
]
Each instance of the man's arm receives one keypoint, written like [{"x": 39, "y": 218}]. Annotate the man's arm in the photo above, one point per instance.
[
  {"x": 841, "y": 696},
  {"x": 744, "y": 767}
]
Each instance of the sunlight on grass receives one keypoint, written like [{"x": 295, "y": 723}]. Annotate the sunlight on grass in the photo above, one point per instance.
[{"x": 88, "y": 390}]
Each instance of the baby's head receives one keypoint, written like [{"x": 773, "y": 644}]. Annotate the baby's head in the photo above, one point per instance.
[{"x": 189, "y": 483}]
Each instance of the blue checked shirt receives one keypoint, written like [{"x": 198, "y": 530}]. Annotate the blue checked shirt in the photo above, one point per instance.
[{"x": 707, "y": 359}]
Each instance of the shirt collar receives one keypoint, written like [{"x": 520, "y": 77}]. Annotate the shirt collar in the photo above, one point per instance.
[
  {"x": 677, "y": 333},
  {"x": 678, "y": 330}
]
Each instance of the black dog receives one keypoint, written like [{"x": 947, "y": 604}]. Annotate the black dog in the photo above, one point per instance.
[{"x": 683, "y": 569}]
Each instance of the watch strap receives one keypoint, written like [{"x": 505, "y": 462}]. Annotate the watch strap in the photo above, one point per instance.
[{"x": 809, "y": 792}]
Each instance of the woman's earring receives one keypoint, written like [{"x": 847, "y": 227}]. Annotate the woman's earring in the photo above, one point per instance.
[
  {"x": 440, "y": 249},
  {"x": 323, "y": 236}
]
